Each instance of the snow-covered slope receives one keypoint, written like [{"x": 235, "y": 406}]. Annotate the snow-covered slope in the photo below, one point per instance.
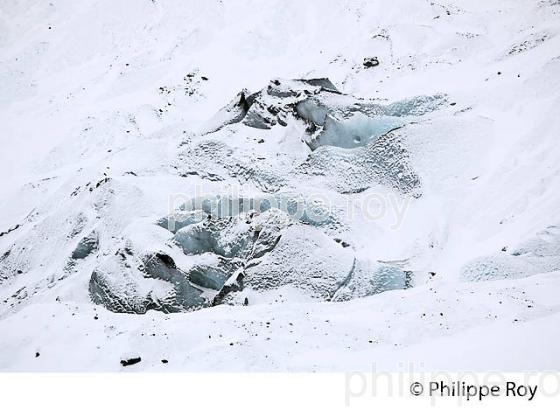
[{"x": 429, "y": 180}]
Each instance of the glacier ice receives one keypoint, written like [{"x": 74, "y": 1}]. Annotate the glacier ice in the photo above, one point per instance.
[
  {"x": 178, "y": 220},
  {"x": 264, "y": 241},
  {"x": 268, "y": 241},
  {"x": 304, "y": 258},
  {"x": 383, "y": 162},
  {"x": 497, "y": 266},
  {"x": 297, "y": 206},
  {"x": 214, "y": 160},
  {"x": 333, "y": 118},
  {"x": 333, "y": 126},
  {"x": 369, "y": 278},
  {"x": 538, "y": 254},
  {"x": 216, "y": 236},
  {"x": 126, "y": 283},
  {"x": 214, "y": 275},
  {"x": 356, "y": 131}
]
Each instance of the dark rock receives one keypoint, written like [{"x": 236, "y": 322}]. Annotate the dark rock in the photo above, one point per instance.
[
  {"x": 86, "y": 246},
  {"x": 101, "y": 182},
  {"x": 131, "y": 361},
  {"x": 324, "y": 83},
  {"x": 341, "y": 242},
  {"x": 370, "y": 62},
  {"x": 234, "y": 284},
  {"x": 10, "y": 230},
  {"x": 166, "y": 260}
]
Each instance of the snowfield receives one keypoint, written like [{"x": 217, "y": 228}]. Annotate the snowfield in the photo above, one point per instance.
[{"x": 290, "y": 186}]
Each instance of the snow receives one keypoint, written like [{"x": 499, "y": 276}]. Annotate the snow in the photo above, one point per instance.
[
  {"x": 440, "y": 326},
  {"x": 110, "y": 110}
]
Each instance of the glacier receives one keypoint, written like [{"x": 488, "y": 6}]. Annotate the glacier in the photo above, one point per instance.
[{"x": 237, "y": 188}]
